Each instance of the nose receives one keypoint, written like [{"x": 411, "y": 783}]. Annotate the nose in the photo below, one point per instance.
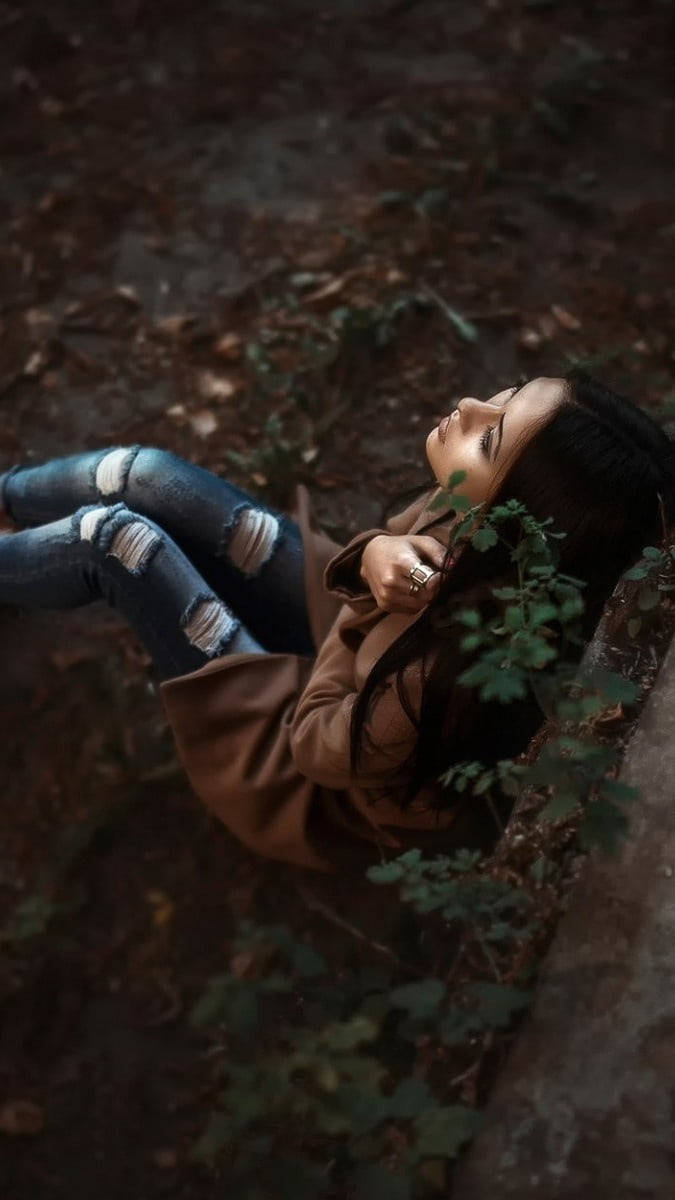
[{"x": 470, "y": 409}]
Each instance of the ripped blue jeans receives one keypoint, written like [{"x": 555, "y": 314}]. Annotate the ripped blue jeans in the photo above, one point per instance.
[{"x": 198, "y": 567}]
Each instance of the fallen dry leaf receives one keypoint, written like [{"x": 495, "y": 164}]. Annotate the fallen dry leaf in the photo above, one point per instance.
[
  {"x": 174, "y": 325},
  {"x": 229, "y": 346},
  {"x": 608, "y": 715},
  {"x": 216, "y": 387},
  {"x": 36, "y": 362},
  {"x": 565, "y": 318},
  {"x": 333, "y": 286},
  {"x": 203, "y": 423},
  {"x": 63, "y": 660},
  {"x": 39, "y": 320},
  {"x": 529, "y": 339},
  {"x": 127, "y": 292},
  {"x": 547, "y": 326},
  {"x": 21, "y": 1117},
  {"x": 162, "y": 905},
  {"x": 166, "y": 1159}
]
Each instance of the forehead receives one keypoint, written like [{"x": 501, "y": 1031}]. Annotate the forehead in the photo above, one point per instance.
[
  {"x": 548, "y": 389},
  {"x": 536, "y": 399}
]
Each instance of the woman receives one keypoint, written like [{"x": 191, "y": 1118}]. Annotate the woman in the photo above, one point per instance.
[{"x": 310, "y": 689}]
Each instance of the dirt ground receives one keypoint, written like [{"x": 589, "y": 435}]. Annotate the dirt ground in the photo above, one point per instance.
[{"x": 279, "y": 239}]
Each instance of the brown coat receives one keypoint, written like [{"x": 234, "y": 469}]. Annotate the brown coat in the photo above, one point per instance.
[{"x": 265, "y": 738}]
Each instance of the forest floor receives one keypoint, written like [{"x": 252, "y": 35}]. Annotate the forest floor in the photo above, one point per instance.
[{"x": 280, "y": 240}]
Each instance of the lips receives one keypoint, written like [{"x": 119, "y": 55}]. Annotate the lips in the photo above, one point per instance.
[{"x": 443, "y": 427}]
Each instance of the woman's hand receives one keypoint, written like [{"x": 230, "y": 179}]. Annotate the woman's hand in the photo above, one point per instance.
[{"x": 385, "y": 566}]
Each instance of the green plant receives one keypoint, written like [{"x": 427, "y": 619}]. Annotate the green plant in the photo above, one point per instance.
[{"x": 360, "y": 1082}]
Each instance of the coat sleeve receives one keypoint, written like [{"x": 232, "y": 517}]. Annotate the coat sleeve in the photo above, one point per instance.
[
  {"x": 320, "y": 728},
  {"x": 341, "y": 575}
]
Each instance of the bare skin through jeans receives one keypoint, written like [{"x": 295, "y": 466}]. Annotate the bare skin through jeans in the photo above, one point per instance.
[{"x": 198, "y": 567}]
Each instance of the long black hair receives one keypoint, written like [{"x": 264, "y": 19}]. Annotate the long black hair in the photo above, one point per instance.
[{"x": 604, "y": 470}]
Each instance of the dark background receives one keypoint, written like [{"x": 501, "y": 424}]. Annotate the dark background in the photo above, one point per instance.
[{"x": 188, "y": 193}]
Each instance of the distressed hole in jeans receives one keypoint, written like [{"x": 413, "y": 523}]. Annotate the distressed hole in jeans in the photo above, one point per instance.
[
  {"x": 134, "y": 545},
  {"x": 209, "y": 625},
  {"x": 253, "y": 540},
  {"x": 112, "y": 471},
  {"x": 91, "y": 522}
]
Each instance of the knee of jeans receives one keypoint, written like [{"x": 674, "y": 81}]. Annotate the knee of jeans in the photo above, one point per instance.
[
  {"x": 209, "y": 625},
  {"x": 119, "y": 533},
  {"x": 250, "y": 538},
  {"x": 110, "y": 471}
]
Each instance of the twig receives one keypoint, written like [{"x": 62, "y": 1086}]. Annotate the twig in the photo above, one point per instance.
[{"x": 317, "y": 905}]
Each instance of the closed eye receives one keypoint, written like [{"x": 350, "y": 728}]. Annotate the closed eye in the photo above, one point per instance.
[{"x": 485, "y": 439}]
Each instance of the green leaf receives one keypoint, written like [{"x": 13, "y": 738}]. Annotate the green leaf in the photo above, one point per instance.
[
  {"x": 469, "y": 617},
  {"x": 636, "y": 573},
  {"x": 560, "y": 806},
  {"x": 465, "y": 860},
  {"x": 347, "y": 1035},
  {"x": 215, "y": 1137},
  {"x": 297, "y": 1179},
  {"x": 411, "y": 1097},
  {"x": 390, "y": 872},
  {"x": 458, "y": 477},
  {"x": 616, "y": 789},
  {"x": 442, "y": 1132},
  {"x": 542, "y": 612},
  {"x": 421, "y": 1000},
  {"x": 506, "y": 685},
  {"x": 457, "y": 1025},
  {"x": 484, "y": 783},
  {"x": 539, "y": 869},
  {"x": 573, "y": 606},
  {"x": 651, "y": 552},
  {"x": 604, "y": 825},
  {"x": 30, "y": 917},
  {"x": 393, "y": 199},
  {"x": 307, "y": 961},
  {"x": 229, "y": 999},
  {"x": 513, "y": 617},
  {"x": 615, "y": 688},
  {"x": 373, "y": 1182},
  {"x": 648, "y": 598},
  {"x": 433, "y": 202},
  {"x": 459, "y": 503},
  {"x": 497, "y": 1002},
  {"x": 471, "y": 641},
  {"x": 484, "y": 539}
]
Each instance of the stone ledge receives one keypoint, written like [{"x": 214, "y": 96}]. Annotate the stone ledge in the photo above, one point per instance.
[{"x": 585, "y": 1105}]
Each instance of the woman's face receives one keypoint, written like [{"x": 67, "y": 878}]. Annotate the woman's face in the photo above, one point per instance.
[{"x": 482, "y": 437}]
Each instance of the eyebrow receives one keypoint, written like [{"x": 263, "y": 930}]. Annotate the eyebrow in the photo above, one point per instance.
[{"x": 500, "y": 426}]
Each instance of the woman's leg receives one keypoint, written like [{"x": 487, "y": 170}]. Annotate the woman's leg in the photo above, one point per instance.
[
  {"x": 115, "y": 554},
  {"x": 249, "y": 554}
]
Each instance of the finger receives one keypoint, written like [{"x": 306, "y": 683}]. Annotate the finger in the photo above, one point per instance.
[
  {"x": 408, "y": 602},
  {"x": 430, "y": 549}
]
